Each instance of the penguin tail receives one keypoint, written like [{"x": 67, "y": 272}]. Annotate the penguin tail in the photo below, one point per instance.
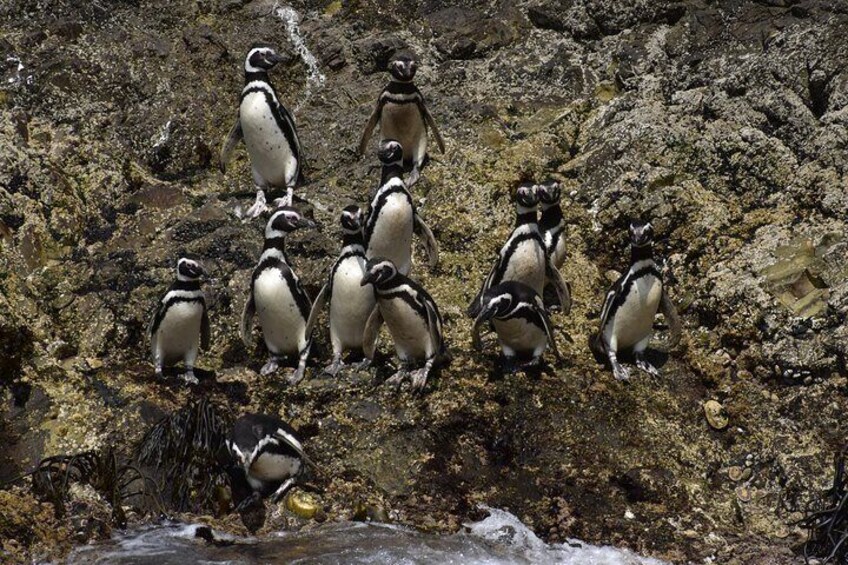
[{"x": 596, "y": 345}]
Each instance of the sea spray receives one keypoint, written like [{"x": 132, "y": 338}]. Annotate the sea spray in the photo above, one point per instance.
[{"x": 315, "y": 78}]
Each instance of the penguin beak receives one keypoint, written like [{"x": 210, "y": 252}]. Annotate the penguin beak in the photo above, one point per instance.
[
  {"x": 367, "y": 279},
  {"x": 273, "y": 59},
  {"x": 306, "y": 223}
]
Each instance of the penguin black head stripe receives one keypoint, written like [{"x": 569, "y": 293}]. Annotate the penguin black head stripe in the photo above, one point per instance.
[
  {"x": 403, "y": 67},
  {"x": 351, "y": 219},
  {"x": 286, "y": 220},
  {"x": 261, "y": 58},
  {"x": 390, "y": 152},
  {"x": 549, "y": 192},
  {"x": 496, "y": 304},
  {"x": 379, "y": 271},
  {"x": 641, "y": 233},
  {"x": 526, "y": 195},
  {"x": 189, "y": 270}
]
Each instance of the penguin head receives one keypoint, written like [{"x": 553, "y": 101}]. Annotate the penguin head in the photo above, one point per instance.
[
  {"x": 549, "y": 192},
  {"x": 286, "y": 220},
  {"x": 378, "y": 271},
  {"x": 189, "y": 269},
  {"x": 497, "y": 303},
  {"x": 260, "y": 58},
  {"x": 351, "y": 219},
  {"x": 526, "y": 195},
  {"x": 641, "y": 233},
  {"x": 402, "y": 67},
  {"x": 390, "y": 152}
]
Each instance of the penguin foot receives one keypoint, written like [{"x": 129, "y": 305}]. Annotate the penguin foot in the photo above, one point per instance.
[
  {"x": 397, "y": 379},
  {"x": 297, "y": 376},
  {"x": 419, "y": 378},
  {"x": 620, "y": 372},
  {"x": 158, "y": 373},
  {"x": 270, "y": 367},
  {"x": 413, "y": 177},
  {"x": 643, "y": 364},
  {"x": 258, "y": 207},
  {"x": 189, "y": 377},
  {"x": 509, "y": 365},
  {"x": 333, "y": 368},
  {"x": 361, "y": 365}
]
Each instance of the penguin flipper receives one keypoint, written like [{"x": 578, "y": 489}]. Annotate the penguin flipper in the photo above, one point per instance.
[
  {"x": 549, "y": 329},
  {"x": 369, "y": 128},
  {"x": 431, "y": 246},
  {"x": 434, "y": 324},
  {"x": 205, "y": 331},
  {"x": 371, "y": 333},
  {"x": 560, "y": 285},
  {"x": 230, "y": 142},
  {"x": 431, "y": 123},
  {"x": 672, "y": 318},
  {"x": 247, "y": 321},
  {"x": 317, "y": 306}
]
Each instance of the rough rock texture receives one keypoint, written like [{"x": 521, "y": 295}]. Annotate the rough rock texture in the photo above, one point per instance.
[{"x": 725, "y": 123}]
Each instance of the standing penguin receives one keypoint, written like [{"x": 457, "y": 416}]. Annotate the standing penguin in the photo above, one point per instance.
[
  {"x": 392, "y": 217},
  {"x": 523, "y": 258},
  {"x": 412, "y": 317},
  {"x": 285, "y": 312},
  {"x": 268, "y": 131},
  {"x": 403, "y": 116},
  {"x": 521, "y": 322},
  {"x": 627, "y": 318},
  {"x": 268, "y": 455},
  {"x": 180, "y": 325},
  {"x": 350, "y": 302},
  {"x": 552, "y": 226}
]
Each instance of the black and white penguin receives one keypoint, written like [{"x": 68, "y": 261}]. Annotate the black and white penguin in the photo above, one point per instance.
[
  {"x": 285, "y": 312},
  {"x": 412, "y": 317},
  {"x": 350, "y": 302},
  {"x": 268, "y": 456},
  {"x": 180, "y": 326},
  {"x": 392, "y": 217},
  {"x": 552, "y": 226},
  {"x": 523, "y": 257},
  {"x": 518, "y": 315},
  {"x": 403, "y": 116},
  {"x": 268, "y": 130},
  {"x": 627, "y": 318}
]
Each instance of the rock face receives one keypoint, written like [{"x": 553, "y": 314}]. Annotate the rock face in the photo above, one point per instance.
[{"x": 724, "y": 123}]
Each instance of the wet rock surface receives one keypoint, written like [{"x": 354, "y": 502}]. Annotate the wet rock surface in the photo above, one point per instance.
[{"x": 724, "y": 123}]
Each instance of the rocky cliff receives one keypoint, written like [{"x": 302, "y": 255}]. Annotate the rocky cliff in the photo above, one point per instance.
[{"x": 725, "y": 123}]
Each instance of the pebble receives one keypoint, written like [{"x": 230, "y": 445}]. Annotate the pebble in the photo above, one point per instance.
[{"x": 715, "y": 415}]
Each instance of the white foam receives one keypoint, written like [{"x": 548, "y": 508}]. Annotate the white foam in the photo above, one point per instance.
[{"x": 315, "y": 79}]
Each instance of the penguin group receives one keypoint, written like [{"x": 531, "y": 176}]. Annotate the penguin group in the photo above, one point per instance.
[{"x": 370, "y": 283}]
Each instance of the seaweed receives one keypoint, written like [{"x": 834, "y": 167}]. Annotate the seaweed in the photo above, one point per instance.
[
  {"x": 826, "y": 520},
  {"x": 118, "y": 483},
  {"x": 187, "y": 448}
]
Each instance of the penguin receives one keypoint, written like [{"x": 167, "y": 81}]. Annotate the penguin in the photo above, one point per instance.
[
  {"x": 286, "y": 314},
  {"x": 267, "y": 455},
  {"x": 552, "y": 226},
  {"x": 523, "y": 258},
  {"x": 627, "y": 317},
  {"x": 392, "y": 217},
  {"x": 403, "y": 115},
  {"x": 180, "y": 325},
  {"x": 412, "y": 317},
  {"x": 518, "y": 316},
  {"x": 350, "y": 303},
  {"x": 268, "y": 130}
]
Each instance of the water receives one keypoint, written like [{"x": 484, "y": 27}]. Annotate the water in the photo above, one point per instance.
[
  {"x": 315, "y": 79},
  {"x": 500, "y": 538}
]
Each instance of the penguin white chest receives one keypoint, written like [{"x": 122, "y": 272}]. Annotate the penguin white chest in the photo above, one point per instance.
[
  {"x": 517, "y": 336},
  {"x": 270, "y": 154},
  {"x": 351, "y": 303},
  {"x": 403, "y": 122},
  {"x": 392, "y": 234},
  {"x": 527, "y": 265},
  {"x": 274, "y": 467},
  {"x": 634, "y": 320},
  {"x": 283, "y": 326},
  {"x": 410, "y": 332},
  {"x": 179, "y": 331},
  {"x": 555, "y": 244}
]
